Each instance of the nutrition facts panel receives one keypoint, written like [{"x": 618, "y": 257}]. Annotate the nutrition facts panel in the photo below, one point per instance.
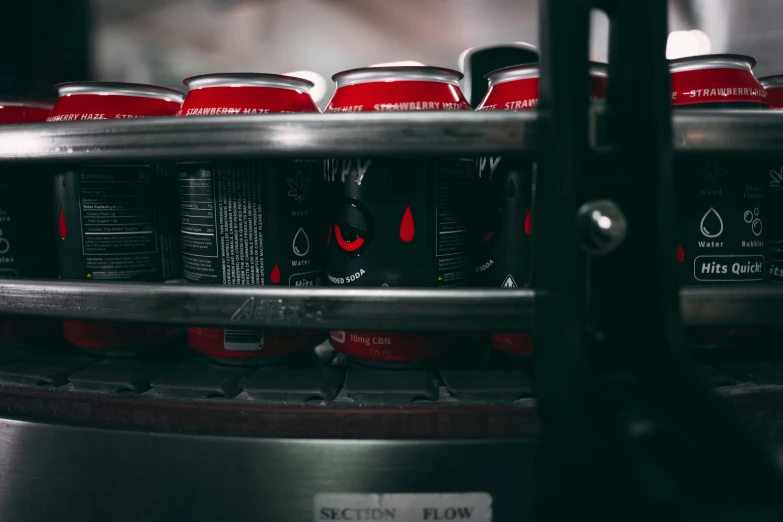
[
  {"x": 455, "y": 181},
  {"x": 197, "y": 213},
  {"x": 117, "y": 212}
]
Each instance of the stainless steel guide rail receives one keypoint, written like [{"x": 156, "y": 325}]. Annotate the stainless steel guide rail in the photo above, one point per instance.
[
  {"x": 395, "y": 309},
  {"x": 423, "y": 133},
  {"x": 214, "y": 305}
]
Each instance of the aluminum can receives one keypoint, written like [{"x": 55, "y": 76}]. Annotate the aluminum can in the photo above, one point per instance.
[
  {"x": 507, "y": 185},
  {"x": 721, "y": 211},
  {"x": 774, "y": 87},
  {"x": 26, "y": 243},
  {"x": 399, "y": 222},
  {"x": 116, "y": 222},
  {"x": 773, "y": 187},
  {"x": 251, "y": 222}
]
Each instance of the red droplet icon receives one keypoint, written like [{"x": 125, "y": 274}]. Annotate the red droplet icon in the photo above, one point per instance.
[
  {"x": 488, "y": 236},
  {"x": 407, "y": 228},
  {"x": 275, "y": 275},
  {"x": 528, "y": 223},
  {"x": 63, "y": 229},
  {"x": 680, "y": 254},
  {"x": 329, "y": 234}
]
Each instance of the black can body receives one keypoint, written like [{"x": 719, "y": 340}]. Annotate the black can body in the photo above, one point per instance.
[
  {"x": 252, "y": 223},
  {"x": 505, "y": 222},
  {"x": 27, "y": 247},
  {"x": 118, "y": 223},
  {"x": 400, "y": 222},
  {"x": 723, "y": 214},
  {"x": 721, "y": 220}
]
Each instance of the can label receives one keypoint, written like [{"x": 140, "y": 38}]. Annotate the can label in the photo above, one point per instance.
[
  {"x": 506, "y": 188},
  {"x": 400, "y": 223},
  {"x": 395, "y": 225},
  {"x": 722, "y": 220},
  {"x": 251, "y": 223},
  {"x": 116, "y": 223}
]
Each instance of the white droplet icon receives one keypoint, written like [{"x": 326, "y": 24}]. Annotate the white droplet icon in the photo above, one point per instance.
[
  {"x": 301, "y": 243},
  {"x": 711, "y": 224}
]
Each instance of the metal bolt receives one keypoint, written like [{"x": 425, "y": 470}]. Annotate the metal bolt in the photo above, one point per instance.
[{"x": 602, "y": 226}]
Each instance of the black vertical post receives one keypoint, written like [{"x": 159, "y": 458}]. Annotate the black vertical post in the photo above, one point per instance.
[
  {"x": 567, "y": 458},
  {"x": 640, "y": 307},
  {"x": 590, "y": 465}
]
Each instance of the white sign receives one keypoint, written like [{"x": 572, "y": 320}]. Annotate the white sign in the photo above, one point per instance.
[{"x": 403, "y": 507}]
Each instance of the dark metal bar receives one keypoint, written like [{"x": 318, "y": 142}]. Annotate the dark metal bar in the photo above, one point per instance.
[
  {"x": 424, "y": 133},
  {"x": 702, "y": 306},
  {"x": 314, "y": 135},
  {"x": 710, "y": 130},
  {"x": 640, "y": 311},
  {"x": 322, "y": 308},
  {"x": 568, "y": 462}
]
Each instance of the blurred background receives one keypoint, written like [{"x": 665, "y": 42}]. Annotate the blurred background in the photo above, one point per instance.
[{"x": 164, "y": 41}]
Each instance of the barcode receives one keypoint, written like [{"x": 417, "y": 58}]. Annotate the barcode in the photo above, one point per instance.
[{"x": 243, "y": 339}]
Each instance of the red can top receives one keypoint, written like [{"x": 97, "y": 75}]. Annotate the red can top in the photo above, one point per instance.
[
  {"x": 715, "y": 78},
  {"x": 80, "y": 101},
  {"x": 387, "y": 89},
  {"x": 246, "y": 93},
  {"x": 14, "y": 110},
  {"x": 774, "y": 87},
  {"x": 516, "y": 88}
]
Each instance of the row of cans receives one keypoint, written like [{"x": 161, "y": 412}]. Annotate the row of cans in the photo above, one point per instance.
[{"x": 360, "y": 221}]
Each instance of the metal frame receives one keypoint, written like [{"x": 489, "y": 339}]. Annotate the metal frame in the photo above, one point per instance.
[
  {"x": 624, "y": 305},
  {"x": 423, "y": 133},
  {"x": 402, "y": 309}
]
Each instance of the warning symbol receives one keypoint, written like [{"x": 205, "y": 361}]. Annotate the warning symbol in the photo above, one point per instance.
[{"x": 509, "y": 282}]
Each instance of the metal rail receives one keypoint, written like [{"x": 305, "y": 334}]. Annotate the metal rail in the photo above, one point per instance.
[
  {"x": 321, "y": 308},
  {"x": 274, "y": 135},
  {"x": 366, "y": 308},
  {"x": 423, "y": 133}
]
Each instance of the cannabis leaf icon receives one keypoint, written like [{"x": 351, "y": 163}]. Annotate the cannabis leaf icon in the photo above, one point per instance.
[
  {"x": 299, "y": 187},
  {"x": 712, "y": 170},
  {"x": 776, "y": 179}
]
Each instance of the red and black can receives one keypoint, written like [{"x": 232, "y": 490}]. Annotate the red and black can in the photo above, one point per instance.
[
  {"x": 26, "y": 245},
  {"x": 399, "y": 222},
  {"x": 774, "y": 87},
  {"x": 721, "y": 214},
  {"x": 251, "y": 222},
  {"x": 507, "y": 185},
  {"x": 774, "y": 188},
  {"x": 117, "y": 222}
]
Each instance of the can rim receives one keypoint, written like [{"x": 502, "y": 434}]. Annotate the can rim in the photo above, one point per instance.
[
  {"x": 120, "y": 89},
  {"x": 425, "y": 73},
  {"x": 531, "y": 70},
  {"x": 712, "y": 61},
  {"x": 772, "y": 81},
  {"x": 280, "y": 81},
  {"x": 467, "y": 85},
  {"x": 22, "y": 102}
]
